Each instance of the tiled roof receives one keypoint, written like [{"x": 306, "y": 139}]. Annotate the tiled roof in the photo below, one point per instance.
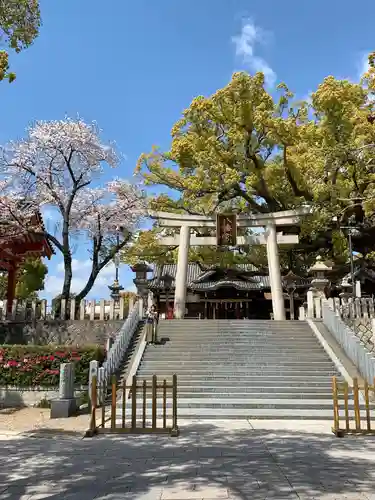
[{"x": 199, "y": 280}]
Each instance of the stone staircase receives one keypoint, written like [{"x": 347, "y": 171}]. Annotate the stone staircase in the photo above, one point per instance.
[{"x": 242, "y": 369}]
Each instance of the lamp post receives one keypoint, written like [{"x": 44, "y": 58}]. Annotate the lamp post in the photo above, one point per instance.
[
  {"x": 290, "y": 281},
  {"x": 351, "y": 232},
  {"x": 116, "y": 288}
]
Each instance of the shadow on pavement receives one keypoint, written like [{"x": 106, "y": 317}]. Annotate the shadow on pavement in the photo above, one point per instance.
[{"x": 205, "y": 462}]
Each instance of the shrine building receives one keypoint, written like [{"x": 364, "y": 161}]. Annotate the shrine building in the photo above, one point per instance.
[
  {"x": 17, "y": 248},
  {"x": 238, "y": 292}
]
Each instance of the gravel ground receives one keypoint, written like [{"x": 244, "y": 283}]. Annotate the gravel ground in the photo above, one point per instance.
[{"x": 26, "y": 420}]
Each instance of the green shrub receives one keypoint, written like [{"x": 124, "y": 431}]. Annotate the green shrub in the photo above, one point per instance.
[{"x": 31, "y": 366}]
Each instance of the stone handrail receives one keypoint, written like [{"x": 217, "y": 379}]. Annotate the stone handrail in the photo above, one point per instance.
[
  {"x": 346, "y": 308},
  {"x": 117, "y": 352},
  {"x": 351, "y": 344}
]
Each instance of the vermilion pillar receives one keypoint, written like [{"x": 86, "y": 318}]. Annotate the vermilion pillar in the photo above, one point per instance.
[{"x": 11, "y": 288}]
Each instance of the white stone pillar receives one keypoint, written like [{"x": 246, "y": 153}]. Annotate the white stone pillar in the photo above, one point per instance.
[
  {"x": 181, "y": 274},
  {"x": 150, "y": 299},
  {"x": 274, "y": 273},
  {"x": 141, "y": 311},
  {"x": 358, "y": 293}
]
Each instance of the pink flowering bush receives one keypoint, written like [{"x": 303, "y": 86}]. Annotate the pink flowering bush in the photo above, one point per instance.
[{"x": 31, "y": 366}]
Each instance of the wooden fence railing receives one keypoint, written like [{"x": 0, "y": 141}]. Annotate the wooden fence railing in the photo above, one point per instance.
[
  {"x": 347, "y": 407},
  {"x": 139, "y": 408}
]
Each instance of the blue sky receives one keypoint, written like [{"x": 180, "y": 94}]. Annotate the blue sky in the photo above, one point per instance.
[{"x": 135, "y": 65}]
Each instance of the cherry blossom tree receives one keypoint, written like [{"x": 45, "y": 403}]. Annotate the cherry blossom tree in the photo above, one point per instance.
[{"x": 59, "y": 165}]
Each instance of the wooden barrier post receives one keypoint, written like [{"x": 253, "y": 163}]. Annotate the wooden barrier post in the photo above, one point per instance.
[
  {"x": 113, "y": 403},
  {"x": 357, "y": 414},
  {"x": 134, "y": 403},
  {"x": 144, "y": 404},
  {"x": 164, "y": 404},
  {"x": 154, "y": 401},
  {"x": 175, "y": 430},
  {"x": 124, "y": 405},
  {"x": 346, "y": 406},
  {"x": 336, "y": 420},
  {"x": 367, "y": 405}
]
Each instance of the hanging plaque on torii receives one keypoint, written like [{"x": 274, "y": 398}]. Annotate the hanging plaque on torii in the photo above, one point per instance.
[{"x": 226, "y": 230}]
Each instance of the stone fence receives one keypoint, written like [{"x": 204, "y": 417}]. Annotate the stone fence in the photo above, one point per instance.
[
  {"x": 74, "y": 310},
  {"x": 358, "y": 348},
  {"x": 351, "y": 309}
]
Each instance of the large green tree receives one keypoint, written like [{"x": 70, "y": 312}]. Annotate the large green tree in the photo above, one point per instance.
[
  {"x": 19, "y": 26},
  {"x": 241, "y": 148}
]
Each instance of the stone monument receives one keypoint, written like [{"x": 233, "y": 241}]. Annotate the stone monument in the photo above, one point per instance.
[{"x": 66, "y": 405}]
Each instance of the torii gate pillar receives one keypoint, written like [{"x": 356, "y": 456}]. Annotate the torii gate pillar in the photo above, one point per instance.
[
  {"x": 274, "y": 273},
  {"x": 181, "y": 274}
]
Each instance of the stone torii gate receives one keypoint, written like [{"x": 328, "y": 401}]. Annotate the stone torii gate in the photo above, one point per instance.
[{"x": 270, "y": 237}]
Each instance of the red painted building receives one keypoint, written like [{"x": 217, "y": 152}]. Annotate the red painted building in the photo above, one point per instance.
[{"x": 16, "y": 248}]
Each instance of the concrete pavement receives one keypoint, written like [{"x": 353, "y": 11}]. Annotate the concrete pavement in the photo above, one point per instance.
[{"x": 240, "y": 460}]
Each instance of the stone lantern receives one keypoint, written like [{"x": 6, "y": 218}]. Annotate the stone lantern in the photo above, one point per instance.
[
  {"x": 141, "y": 269},
  {"x": 347, "y": 288},
  {"x": 290, "y": 282},
  {"x": 167, "y": 280},
  {"x": 320, "y": 270}
]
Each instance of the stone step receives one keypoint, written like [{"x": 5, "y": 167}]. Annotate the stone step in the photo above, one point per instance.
[
  {"x": 233, "y": 332},
  {"x": 209, "y": 349},
  {"x": 242, "y": 413},
  {"x": 233, "y": 371},
  {"x": 248, "y": 380},
  {"x": 237, "y": 403},
  {"x": 241, "y": 395},
  {"x": 256, "y": 390},
  {"x": 240, "y": 327},
  {"x": 234, "y": 326},
  {"x": 236, "y": 342},
  {"x": 221, "y": 323},
  {"x": 321, "y": 361},
  {"x": 239, "y": 363}
]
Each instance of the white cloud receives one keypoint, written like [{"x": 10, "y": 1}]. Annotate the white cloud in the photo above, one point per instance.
[
  {"x": 245, "y": 43},
  {"x": 81, "y": 270}
]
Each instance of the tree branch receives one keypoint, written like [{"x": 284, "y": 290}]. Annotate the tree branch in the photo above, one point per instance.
[{"x": 296, "y": 190}]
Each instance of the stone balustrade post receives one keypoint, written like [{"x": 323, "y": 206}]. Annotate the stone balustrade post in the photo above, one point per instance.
[
  {"x": 102, "y": 310},
  {"x": 101, "y": 385},
  {"x": 93, "y": 371},
  {"x": 66, "y": 405},
  {"x": 373, "y": 330},
  {"x": 131, "y": 305},
  {"x": 92, "y": 310},
  {"x": 82, "y": 309},
  {"x": 112, "y": 309},
  {"x": 301, "y": 314},
  {"x": 121, "y": 308},
  {"x": 43, "y": 309},
  {"x": 72, "y": 309}
]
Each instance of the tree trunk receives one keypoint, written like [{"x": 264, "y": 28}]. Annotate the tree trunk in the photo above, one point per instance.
[
  {"x": 67, "y": 260},
  {"x": 68, "y": 274},
  {"x": 87, "y": 288}
]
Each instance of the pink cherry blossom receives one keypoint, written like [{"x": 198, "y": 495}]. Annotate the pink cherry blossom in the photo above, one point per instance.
[{"x": 59, "y": 165}]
